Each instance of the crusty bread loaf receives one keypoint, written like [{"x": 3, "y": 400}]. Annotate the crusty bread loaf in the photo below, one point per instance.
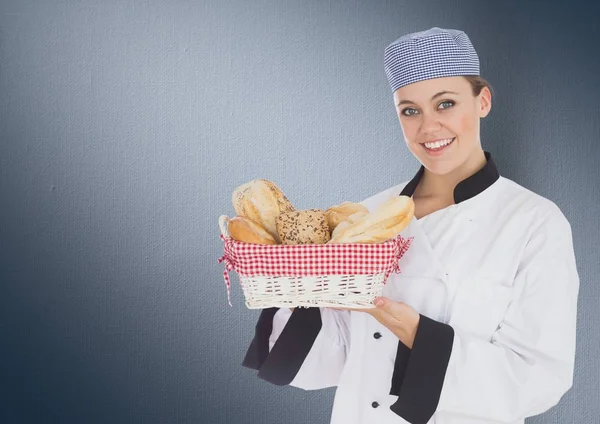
[
  {"x": 338, "y": 213},
  {"x": 303, "y": 227},
  {"x": 284, "y": 204},
  {"x": 261, "y": 201},
  {"x": 389, "y": 219},
  {"x": 244, "y": 229}
]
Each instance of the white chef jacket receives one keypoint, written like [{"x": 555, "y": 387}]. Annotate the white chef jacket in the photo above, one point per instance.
[{"x": 495, "y": 282}]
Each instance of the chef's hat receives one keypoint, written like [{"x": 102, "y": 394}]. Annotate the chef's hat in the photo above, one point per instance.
[{"x": 433, "y": 53}]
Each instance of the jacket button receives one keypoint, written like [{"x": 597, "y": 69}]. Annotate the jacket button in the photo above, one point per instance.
[
  {"x": 377, "y": 335},
  {"x": 375, "y": 404}
]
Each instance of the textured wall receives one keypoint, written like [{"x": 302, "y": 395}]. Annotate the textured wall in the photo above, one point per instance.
[{"x": 126, "y": 124}]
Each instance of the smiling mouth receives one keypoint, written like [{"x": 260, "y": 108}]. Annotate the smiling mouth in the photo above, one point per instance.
[{"x": 439, "y": 145}]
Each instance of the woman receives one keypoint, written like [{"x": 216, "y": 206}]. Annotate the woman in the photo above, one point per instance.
[{"x": 479, "y": 326}]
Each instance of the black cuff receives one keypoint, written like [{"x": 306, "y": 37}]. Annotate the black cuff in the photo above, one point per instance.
[
  {"x": 400, "y": 364},
  {"x": 259, "y": 347},
  {"x": 281, "y": 365},
  {"x": 419, "y": 384}
]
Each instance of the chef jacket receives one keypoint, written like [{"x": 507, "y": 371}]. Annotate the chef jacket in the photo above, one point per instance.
[{"x": 494, "y": 279}]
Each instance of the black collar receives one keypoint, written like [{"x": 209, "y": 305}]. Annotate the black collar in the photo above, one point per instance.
[{"x": 467, "y": 188}]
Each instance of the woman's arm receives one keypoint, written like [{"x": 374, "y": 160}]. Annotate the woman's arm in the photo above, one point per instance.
[
  {"x": 526, "y": 367},
  {"x": 305, "y": 348}
]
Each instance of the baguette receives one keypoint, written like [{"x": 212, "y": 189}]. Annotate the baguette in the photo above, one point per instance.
[{"x": 389, "y": 219}]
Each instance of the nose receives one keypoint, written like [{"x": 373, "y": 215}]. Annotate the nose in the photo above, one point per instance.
[{"x": 430, "y": 124}]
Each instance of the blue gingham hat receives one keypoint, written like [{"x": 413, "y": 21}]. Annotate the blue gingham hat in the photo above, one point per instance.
[{"x": 433, "y": 53}]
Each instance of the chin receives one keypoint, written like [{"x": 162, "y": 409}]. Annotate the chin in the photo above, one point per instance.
[{"x": 439, "y": 167}]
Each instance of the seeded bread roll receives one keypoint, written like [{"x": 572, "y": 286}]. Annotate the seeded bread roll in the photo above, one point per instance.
[
  {"x": 303, "y": 227},
  {"x": 244, "y": 229},
  {"x": 261, "y": 201}
]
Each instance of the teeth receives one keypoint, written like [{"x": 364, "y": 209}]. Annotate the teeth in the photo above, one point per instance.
[{"x": 438, "y": 144}]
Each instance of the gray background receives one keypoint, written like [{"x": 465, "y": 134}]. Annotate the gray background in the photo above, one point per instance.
[{"x": 125, "y": 125}]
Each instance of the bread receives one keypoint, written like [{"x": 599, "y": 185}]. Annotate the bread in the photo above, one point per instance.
[
  {"x": 244, "y": 229},
  {"x": 303, "y": 227},
  {"x": 282, "y": 201},
  {"x": 338, "y": 213},
  {"x": 356, "y": 216},
  {"x": 261, "y": 201},
  {"x": 339, "y": 229},
  {"x": 345, "y": 224},
  {"x": 389, "y": 219}
]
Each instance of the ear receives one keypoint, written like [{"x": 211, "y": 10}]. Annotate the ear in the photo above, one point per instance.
[{"x": 484, "y": 102}]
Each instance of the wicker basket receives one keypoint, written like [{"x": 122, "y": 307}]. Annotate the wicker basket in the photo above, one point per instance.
[{"x": 334, "y": 275}]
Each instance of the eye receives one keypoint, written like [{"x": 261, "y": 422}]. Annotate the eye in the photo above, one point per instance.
[
  {"x": 408, "y": 109},
  {"x": 447, "y": 102}
]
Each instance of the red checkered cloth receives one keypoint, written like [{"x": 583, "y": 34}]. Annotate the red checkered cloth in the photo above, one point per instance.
[{"x": 251, "y": 260}]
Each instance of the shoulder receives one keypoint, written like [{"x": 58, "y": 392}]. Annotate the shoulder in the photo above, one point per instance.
[
  {"x": 527, "y": 205},
  {"x": 375, "y": 200}
]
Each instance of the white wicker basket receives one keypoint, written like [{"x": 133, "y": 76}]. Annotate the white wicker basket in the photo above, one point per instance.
[
  {"x": 356, "y": 291},
  {"x": 346, "y": 290}
]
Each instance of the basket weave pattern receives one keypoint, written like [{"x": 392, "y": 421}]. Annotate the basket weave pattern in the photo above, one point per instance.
[{"x": 309, "y": 275}]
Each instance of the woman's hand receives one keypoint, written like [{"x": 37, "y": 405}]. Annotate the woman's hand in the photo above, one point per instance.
[{"x": 398, "y": 317}]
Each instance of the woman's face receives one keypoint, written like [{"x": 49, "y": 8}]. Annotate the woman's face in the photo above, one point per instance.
[{"x": 442, "y": 109}]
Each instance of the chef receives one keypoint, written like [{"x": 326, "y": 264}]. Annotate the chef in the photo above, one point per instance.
[{"x": 479, "y": 325}]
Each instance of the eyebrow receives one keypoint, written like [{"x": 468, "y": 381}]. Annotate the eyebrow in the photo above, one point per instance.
[{"x": 441, "y": 93}]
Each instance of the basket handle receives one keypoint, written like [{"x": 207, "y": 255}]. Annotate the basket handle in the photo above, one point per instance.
[{"x": 223, "y": 224}]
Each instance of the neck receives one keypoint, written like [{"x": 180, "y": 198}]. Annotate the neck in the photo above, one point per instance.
[{"x": 442, "y": 186}]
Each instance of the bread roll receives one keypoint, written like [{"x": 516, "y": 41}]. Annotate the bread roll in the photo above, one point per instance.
[
  {"x": 303, "y": 227},
  {"x": 340, "y": 228},
  {"x": 389, "y": 219},
  {"x": 244, "y": 229},
  {"x": 338, "y": 213},
  {"x": 356, "y": 216},
  {"x": 346, "y": 223},
  {"x": 261, "y": 201}
]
